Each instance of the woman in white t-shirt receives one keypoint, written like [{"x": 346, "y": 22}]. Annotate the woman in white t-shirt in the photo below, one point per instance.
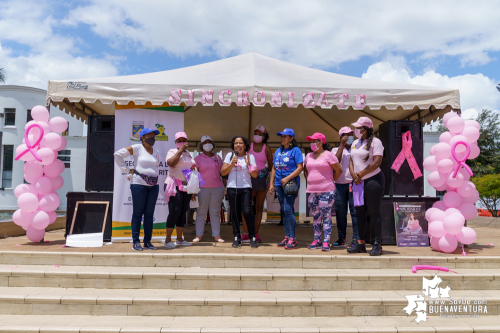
[
  {"x": 143, "y": 184},
  {"x": 241, "y": 167},
  {"x": 364, "y": 166}
]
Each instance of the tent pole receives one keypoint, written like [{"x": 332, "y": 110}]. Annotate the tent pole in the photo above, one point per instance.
[
  {"x": 324, "y": 120},
  {"x": 250, "y": 121}
]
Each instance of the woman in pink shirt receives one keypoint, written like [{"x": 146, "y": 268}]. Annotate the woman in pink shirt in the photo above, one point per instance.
[
  {"x": 321, "y": 168},
  {"x": 212, "y": 192}
]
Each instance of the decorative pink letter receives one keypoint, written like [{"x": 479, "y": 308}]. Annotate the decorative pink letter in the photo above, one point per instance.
[
  {"x": 221, "y": 97},
  {"x": 308, "y": 99},
  {"x": 360, "y": 101},
  {"x": 190, "y": 100},
  {"x": 242, "y": 98},
  {"x": 322, "y": 97},
  {"x": 175, "y": 96},
  {"x": 207, "y": 98},
  {"x": 276, "y": 99},
  {"x": 341, "y": 99},
  {"x": 262, "y": 98},
  {"x": 290, "y": 100}
]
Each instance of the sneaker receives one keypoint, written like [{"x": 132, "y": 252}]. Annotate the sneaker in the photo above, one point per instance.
[
  {"x": 357, "y": 248},
  {"x": 253, "y": 242},
  {"x": 237, "y": 242},
  {"x": 339, "y": 243},
  {"x": 169, "y": 245},
  {"x": 353, "y": 242},
  {"x": 376, "y": 249},
  {"x": 245, "y": 238},
  {"x": 137, "y": 247},
  {"x": 197, "y": 239},
  {"x": 258, "y": 238},
  {"x": 326, "y": 247},
  {"x": 283, "y": 242},
  {"x": 292, "y": 244},
  {"x": 182, "y": 243},
  {"x": 314, "y": 245},
  {"x": 149, "y": 246}
]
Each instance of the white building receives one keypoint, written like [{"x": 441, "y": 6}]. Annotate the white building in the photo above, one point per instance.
[{"x": 15, "y": 111}]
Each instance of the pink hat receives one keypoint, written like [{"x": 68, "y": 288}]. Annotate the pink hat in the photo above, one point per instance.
[
  {"x": 180, "y": 135},
  {"x": 317, "y": 136},
  {"x": 345, "y": 129},
  {"x": 260, "y": 128},
  {"x": 363, "y": 121}
]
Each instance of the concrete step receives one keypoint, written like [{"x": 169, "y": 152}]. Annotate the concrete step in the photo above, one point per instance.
[
  {"x": 172, "y": 324},
  {"x": 267, "y": 279},
  {"x": 233, "y": 303},
  {"x": 161, "y": 258}
]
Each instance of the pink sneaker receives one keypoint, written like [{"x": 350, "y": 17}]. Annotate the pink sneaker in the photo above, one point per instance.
[
  {"x": 245, "y": 238},
  {"x": 258, "y": 238}
]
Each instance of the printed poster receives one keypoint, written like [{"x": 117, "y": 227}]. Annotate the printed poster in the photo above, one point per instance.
[{"x": 411, "y": 225}]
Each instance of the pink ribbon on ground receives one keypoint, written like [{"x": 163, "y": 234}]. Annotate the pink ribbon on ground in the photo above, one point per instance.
[
  {"x": 462, "y": 160},
  {"x": 415, "y": 268},
  {"x": 28, "y": 143},
  {"x": 406, "y": 153}
]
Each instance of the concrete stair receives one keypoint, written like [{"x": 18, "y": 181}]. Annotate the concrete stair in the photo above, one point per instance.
[{"x": 162, "y": 292}]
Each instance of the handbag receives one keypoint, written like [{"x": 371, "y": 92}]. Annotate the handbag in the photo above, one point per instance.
[
  {"x": 193, "y": 185},
  {"x": 358, "y": 194},
  {"x": 290, "y": 188}
]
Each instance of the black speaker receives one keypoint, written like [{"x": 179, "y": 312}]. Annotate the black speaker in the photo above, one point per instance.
[
  {"x": 402, "y": 182},
  {"x": 93, "y": 210},
  {"x": 100, "y": 149}
]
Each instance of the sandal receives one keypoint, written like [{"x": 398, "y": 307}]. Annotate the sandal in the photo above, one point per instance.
[
  {"x": 197, "y": 239},
  {"x": 219, "y": 239}
]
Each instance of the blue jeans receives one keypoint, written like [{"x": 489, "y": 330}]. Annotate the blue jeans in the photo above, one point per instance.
[
  {"x": 286, "y": 204},
  {"x": 143, "y": 203},
  {"x": 343, "y": 198}
]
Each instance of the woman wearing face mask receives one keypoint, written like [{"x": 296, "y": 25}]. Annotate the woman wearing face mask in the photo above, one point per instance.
[
  {"x": 366, "y": 157},
  {"x": 321, "y": 168},
  {"x": 178, "y": 159},
  {"x": 143, "y": 184},
  {"x": 212, "y": 192},
  {"x": 343, "y": 192}
]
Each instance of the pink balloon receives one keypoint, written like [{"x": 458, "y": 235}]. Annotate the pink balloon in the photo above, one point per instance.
[
  {"x": 436, "y": 229},
  {"x": 450, "y": 211},
  {"x": 474, "y": 152},
  {"x": 435, "y": 243},
  {"x": 51, "y": 140},
  {"x": 45, "y": 126},
  {"x": 436, "y": 179},
  {"x": 24, "y": 188},
  {"x": 466, "y": 236},
  {"x": 453, "y": 223},
  {"x": 455, "y": 182},
  {"x": 448, "y": 116},
  {"x": 58, "y": 124},
  {"x": 433, "y": 151},
  {"x": 40, "y": 220},
  {"x": 26, "y": 157},
  {"x": 429, "y": 212},
  {"x": 33, "y": 169},
  {"x": 63, "y": 143},
  {"x": 442, "y": 150},
  {"x": 450, "y": 189},
  {"x": 472, "y": 123},
  {"x": 445, "y": 137},
  {"x": 439, "y": 205},
  {"x": 464, "y": 173},
  {"x": 458, "y": 138},
  {"x": 472, "y": 199},
  {"x": 47, "y": 155},
  {"x": 442, "y": 187},
  {"x": 57, "y": 182},
  {"x": 445, "y": 165},
  {"x": 22, "y": 218},
  {"x": 49, "y": 202},
  {"x": 438, "y": 215},
  {"x": 456, "y": 125},
  {"x": 60, "y": 164},
  {"x": 52, "y": 216},
  {"x": 30, "y": 180},
  {"x": 471, "y": 133},
  {"x": 35, "y": 235},
  {"x": 40, "y": 113},
  {"x": 468, "y": 210},
  {"x": 466, "y": 189},
  {"x": 430, "y": 163},
  {"x": 28, "y": 202},
  {"x": 52, "y": 170},
  {"x": 43, "y": 185},
  {"x": 448, "y": 243},
  {"x": 452, "y": 200}
]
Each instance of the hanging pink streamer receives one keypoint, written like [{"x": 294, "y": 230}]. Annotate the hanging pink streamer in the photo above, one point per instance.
[
  {"x": 415, "y": 268},
  {"x": 461, "y": 161},
  {"x": 406, "y": 153},
  {"x": 28, "y": 143}
]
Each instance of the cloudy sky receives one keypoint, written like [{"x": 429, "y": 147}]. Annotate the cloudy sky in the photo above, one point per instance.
[{"x": 453, "y": 44}]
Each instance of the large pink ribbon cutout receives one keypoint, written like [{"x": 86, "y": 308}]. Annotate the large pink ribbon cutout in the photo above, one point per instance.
[
  {"x": 463, "y": 159},
  {"x": 406, "y": 153},
  {"x": 28, "y": 143}
]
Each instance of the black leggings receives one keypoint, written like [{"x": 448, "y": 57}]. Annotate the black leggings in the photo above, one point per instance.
[
  {"x": 374, "y": 192},
  {"x": 240, "y": 201},
  {"x": 178, "y": 206}
]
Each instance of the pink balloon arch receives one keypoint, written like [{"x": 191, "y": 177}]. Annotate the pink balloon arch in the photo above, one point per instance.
[
  {"x": 448, "y": 172},
  {"x": 38, "y": 200}
]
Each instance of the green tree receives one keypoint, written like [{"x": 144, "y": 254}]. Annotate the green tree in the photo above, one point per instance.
[
  {"x": 2, "y": 75},
  {"x": 488, "y": 187}
]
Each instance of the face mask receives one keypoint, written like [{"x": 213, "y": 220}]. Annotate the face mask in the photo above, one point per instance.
[
  {"x": 150, "y": 141},
  {"x": 179, "y": 144},
  {"x": 208, "y": 147},
  {"x": 350, "y": 140},
  {"x": 314, "y": 146},
  {"x": 357, "y": 133},
  {"x": 257, "y": 138}
]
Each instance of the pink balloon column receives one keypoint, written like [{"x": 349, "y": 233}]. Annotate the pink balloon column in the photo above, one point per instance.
[
  {"x": 38, "y": 200},
  {"x": 448, "y": 172}
]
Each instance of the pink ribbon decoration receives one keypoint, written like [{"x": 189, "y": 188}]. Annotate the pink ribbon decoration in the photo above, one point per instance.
[
  {"x": 28, "y": 143},
  {"x": 415, "y": 268},
  {"x": 406, "y": 153},
  {"x": 462, "y": 160}
]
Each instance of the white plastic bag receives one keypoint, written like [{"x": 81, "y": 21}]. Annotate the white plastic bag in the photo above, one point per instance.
[
  {"x": 194, "y": 204},
  {"x": 193, "y": 186}
]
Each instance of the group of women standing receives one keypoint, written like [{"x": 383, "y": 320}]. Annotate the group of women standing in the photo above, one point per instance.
[{"x": 249, "y": 172}]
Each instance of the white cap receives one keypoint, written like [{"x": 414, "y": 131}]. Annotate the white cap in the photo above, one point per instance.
[{"x": 206, "y": 137}]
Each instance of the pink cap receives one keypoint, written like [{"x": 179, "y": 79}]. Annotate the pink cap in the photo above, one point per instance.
[
  {"x": 345, "y": 129},
  {"x": 260, "y": 128},
  {"x": 180, "y": 135},
  {"x": 363, "y": 121},
  {"x": 317, "y": 136}
]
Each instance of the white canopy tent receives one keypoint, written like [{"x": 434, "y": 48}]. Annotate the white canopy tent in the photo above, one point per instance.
[{"x": 232, "y": 96}]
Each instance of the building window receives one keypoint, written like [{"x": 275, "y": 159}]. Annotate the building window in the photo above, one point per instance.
[
  {"x": 66, "y": 132},
  {"x": 10, "y": 117},
  {"x": 8, "y": 157},
  {"x": 29, "y": 117},
  {"x": 65, "y": 156}
]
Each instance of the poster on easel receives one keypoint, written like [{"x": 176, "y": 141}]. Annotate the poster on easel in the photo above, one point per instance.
[{"x": 411, "y": 225}]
